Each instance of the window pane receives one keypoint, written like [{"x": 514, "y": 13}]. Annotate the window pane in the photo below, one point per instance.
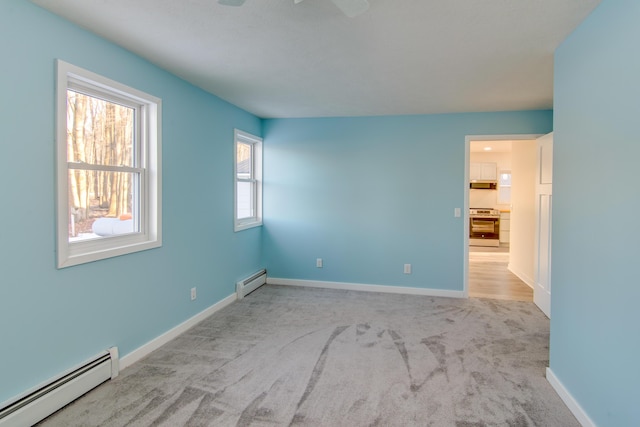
[
  {"x": 505, "y": 178},
  {"x": 244, "y": 167},
  {"x": 504, "y": 195},
  {"x": 98, "y": 131},
  {"x": 101, "y": 204},
  {"x": 245, "y": 199}
]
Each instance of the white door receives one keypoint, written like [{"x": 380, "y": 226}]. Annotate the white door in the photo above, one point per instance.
[{"x": 544, "y": 207}]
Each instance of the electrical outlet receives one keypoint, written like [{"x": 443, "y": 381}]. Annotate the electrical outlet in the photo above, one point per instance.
[
  {"x": 193, "y": 294},
  {"x": 319, "y": 262},
  {"x": 407, "y": 269}
]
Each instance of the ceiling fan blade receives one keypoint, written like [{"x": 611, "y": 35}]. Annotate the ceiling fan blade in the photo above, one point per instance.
[
  {"x": 352, "y": 8},
  {"x": 231, "y": 2}
]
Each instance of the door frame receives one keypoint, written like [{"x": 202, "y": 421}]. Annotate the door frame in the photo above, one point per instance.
[{"x": 465, "y": 216}]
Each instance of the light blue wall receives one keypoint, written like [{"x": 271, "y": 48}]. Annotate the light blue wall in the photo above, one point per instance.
[
  {"x": 595, "y": 326},
  {"x": 371, "y": 194},
  {"x": 53, "y": 319}
]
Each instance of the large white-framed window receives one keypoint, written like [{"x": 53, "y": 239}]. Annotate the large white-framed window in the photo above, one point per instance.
[
  {"x": 108, "y": 160},
  {"x": 247, "y": 183}
]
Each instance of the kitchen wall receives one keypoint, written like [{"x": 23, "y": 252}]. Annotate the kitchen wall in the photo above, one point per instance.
[
  {"x": 489, "y": 198},
  {"x": 54, "y": 319},
  {"x": 595, "y": 339},
  {"x": 370, "y": 194}
]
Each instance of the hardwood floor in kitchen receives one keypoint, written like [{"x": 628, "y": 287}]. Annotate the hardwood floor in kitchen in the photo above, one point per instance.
[{"x": 489, "y": 276}]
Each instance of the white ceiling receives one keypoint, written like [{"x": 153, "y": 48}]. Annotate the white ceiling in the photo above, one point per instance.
[
  {"x": 275, "y": 58},
  {"x": 501, "y": 146}
]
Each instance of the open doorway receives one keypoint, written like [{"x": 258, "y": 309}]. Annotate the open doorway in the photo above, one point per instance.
[{"x": 500, "y": 196}]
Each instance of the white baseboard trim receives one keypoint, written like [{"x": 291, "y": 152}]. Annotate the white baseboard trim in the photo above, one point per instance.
[
  {"x": 526, "y": 279},
  {"x": 569, "y": 400},
  {"x": 367, "y": 288},
  {"x": 172, "y": 333}
]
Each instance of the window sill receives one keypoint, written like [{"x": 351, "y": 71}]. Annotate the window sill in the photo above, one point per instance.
[
  {"x": 83, "y": 258},
  {"x": 246, "y": 225}
]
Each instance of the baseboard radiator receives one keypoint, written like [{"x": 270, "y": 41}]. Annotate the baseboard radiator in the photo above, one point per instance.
[
  {"x": 251, "y": 283},
  {"x": 47, "y": 398}
]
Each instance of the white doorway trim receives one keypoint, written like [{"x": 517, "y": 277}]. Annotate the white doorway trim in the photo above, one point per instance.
[{"x": 465, "y": 216}]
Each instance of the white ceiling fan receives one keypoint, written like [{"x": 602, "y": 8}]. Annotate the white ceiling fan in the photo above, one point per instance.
[{"x": 351, "y": 8}]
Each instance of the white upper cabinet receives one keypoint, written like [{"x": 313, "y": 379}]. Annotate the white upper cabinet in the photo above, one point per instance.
[{"x": 483, "y": 171}]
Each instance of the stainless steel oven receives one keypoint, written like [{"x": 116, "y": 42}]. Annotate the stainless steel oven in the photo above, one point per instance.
[{"x": 484, "y": 227}]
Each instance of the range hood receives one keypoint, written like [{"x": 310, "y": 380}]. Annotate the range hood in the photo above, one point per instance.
[{"x": 483, "y": 185}]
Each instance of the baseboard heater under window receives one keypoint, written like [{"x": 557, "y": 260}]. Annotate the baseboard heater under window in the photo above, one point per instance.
[
  {"x": 251, "y": 283},
  {"x": 47, "y": 398}
]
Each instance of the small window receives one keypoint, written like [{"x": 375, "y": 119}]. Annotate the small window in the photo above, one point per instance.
[
  {"x": 108, "y": 168},
  {"x": 504, "y": 188},
  {"x": 247, "y": 181}
]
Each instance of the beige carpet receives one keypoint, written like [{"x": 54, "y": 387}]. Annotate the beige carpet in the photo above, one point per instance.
[{"x": 313, "y": 357}]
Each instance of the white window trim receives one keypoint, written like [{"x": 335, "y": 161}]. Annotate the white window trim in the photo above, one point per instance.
[
  {"x": 247, "y": 138},
  {"x": 150, "y": 234}
]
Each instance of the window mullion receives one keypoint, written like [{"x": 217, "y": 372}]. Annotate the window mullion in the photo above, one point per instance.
[{"x": 107, "y": 168}]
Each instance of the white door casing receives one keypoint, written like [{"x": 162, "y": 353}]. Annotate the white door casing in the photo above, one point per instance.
[{"x": 544, "y": 208}]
